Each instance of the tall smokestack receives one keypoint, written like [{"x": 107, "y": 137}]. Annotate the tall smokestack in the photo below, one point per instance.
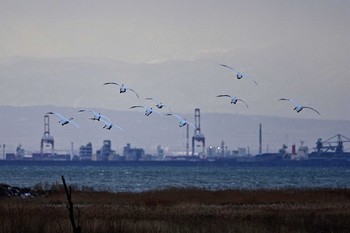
[
  {"x": 187, "y": 141},
  {"x": 260, "y": 139}
]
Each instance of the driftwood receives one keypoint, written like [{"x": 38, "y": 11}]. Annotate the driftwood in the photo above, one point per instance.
[{"x": 70, "y": 207}]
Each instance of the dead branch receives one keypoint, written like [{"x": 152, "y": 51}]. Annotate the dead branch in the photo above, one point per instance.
[{"x": 70, "y": 207}]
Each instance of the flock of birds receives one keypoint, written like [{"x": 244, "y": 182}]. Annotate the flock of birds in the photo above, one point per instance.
[
  {"x": 63, "y": 120},
  {"x": 160, "y": 105},
  {"x": 239, "y": 75}
]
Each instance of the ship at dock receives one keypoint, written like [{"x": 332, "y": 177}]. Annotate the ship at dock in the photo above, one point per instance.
[{"x": 330, "y": 149}]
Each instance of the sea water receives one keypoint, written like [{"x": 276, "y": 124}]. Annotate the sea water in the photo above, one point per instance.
[{"x": 151, "y": 175}]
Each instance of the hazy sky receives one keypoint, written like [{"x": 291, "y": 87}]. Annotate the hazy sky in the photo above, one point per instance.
[
  {"x": 149, "y": 31},
  {"x": 278, "y": 41}
]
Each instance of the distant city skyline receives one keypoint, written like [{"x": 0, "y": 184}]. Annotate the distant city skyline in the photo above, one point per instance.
[{"x": 25, "y": 126}]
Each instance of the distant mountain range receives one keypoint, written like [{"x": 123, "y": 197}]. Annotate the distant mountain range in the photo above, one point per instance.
[
  {"x": 25, "y": 126},
  {"x": 183, "y": 85}
]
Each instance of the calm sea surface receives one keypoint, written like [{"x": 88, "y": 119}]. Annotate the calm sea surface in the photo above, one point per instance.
[{"x": 142, "y": 176}]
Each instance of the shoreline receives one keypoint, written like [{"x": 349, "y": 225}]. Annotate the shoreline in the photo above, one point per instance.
[
  {"x": 43, "y": 189},
  {"x": 268, "y": 162}
]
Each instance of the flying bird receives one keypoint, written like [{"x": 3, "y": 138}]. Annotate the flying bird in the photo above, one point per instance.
[
  {"x": 108, "y": 125},
  {"x": 182, "y": 121},
  {"x": 96, "y": 117},
  {"x": 158, "y": 103},
  {"x": 298, "y": 107},
  {"x": 122, "y": 88},
  {"x": 234, "y": 99},
  {"x": 64, "y": 120},
  {"x": 239, "y": 75},
  {"x": 148, "y": 110}
]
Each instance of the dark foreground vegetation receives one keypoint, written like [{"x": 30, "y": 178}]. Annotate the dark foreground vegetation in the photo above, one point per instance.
[{"x": 178, "y": 210}]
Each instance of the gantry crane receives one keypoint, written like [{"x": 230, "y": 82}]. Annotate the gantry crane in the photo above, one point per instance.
[
  {"x": 334, "y": 144},
  {"x": 198, "y": 136},
  {"x": 47, "y": 140}
]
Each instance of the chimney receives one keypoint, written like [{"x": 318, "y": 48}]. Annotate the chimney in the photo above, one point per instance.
[{"x": 260, "y": 139}]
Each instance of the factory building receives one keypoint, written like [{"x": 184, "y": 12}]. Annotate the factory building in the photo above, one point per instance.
[
  {"x": 133, "y": 153},
  {"x": 85, "y": 152},
  {"x": 160, "y": 152},
  {"x": 106, "y": 152}
]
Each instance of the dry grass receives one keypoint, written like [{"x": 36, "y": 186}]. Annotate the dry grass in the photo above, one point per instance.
[{"x": 182, "y": 210}]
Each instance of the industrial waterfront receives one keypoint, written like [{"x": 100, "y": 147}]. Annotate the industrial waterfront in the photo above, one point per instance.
[{"x": 196, "y": 148}]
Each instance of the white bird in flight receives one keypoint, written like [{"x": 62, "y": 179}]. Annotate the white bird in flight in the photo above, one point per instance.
[
  {"x": 239, "y": 75},
  {"x": 159, "y": 104},
  {"x": 64, "y": 120},
  {"x": 108, "y": 125},
  {"x": 122, "y": 88},
  {"x": 298, "y": 107},
  {"x": 182, "y": 121},
  {"x": 97, "y": 116},
  {"x": 234, "y": 99},
  {"x": 148, "y": 110}
]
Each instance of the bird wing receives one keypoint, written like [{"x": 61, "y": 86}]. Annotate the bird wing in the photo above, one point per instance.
[
  {"x": 118, "y": 127},
  {"x": 93, "y": 112},
  {"x": 243, "y": 102},
  {"x": 76, "y": 125},
  {"x": 192, "y": 125},
  {"x": 169, "y": 109},
  {"x": 153, "y": 110},
  {"x": 85, "y": 110},
  {"x": 137, "y": 106},
  {"x": 229, "y": 67},
  {"x": 177, "y": 116},
  {"x": 245, "y": 75},
  {"x": 290, "y": 100},
  {"x": 164, "y": 105},
  {"x": 223, "y": 96},
  {"x": 107, "y": 123},
  {"x": 105, "y": 117},
  {"x": 57, "y": 114},
  {"x": 150, "y": 98},
  {"x": 312, "y": 109},
  {"x": 154, "y": 100},
  {"x": 111, "y": 83},
  {"x": 255, "y": 82},
  {"x": 134, "y": 92}
]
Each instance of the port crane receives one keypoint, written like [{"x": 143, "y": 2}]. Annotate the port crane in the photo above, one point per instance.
[
  {"x": 334, "y": 144},
  {"x": 198, "y": 135},
  {"x": 47, "y": 141}
]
